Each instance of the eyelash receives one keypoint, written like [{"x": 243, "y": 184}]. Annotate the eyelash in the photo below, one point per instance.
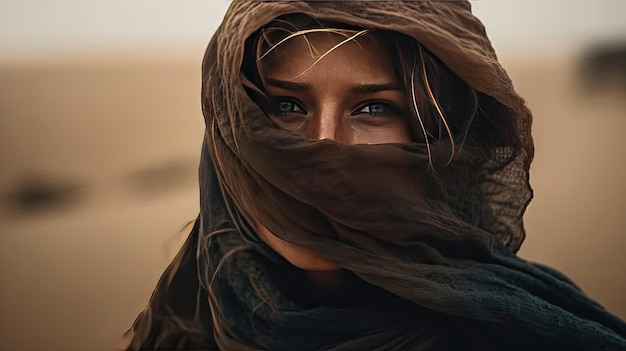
[
  {"x": 390, "y": 109},
  {"x": 296, "y": 107},
  {"x": 294, "y": 103}
]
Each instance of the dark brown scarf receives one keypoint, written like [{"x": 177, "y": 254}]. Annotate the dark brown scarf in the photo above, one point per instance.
[{"x": 429, "y": 256}]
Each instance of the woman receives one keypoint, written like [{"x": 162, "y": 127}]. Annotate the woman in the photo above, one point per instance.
[{"x": 363, "y": 180}]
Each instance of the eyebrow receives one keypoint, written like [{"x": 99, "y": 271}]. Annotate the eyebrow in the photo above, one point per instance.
[
  {"x": 288, "y": 85},
  {"x": 359, "y": 89},
  {"x": 374, "y": 88}
]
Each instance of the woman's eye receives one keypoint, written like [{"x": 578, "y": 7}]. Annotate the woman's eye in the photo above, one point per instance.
[
  {"x": 377, "y": 108},
  {"x": 288, "y": 113},
  {"x": 289, "y": 107}
]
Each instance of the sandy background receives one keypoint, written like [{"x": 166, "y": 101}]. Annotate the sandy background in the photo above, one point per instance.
[
  {"x": 123, "y": 136},
  {"x": 116, "y": 136}
]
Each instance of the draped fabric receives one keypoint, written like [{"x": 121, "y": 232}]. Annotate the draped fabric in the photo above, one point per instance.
[{"x": 428, "y": 255}]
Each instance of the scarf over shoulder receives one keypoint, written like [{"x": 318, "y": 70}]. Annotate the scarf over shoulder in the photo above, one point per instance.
[{"x": 430, "y": 252}]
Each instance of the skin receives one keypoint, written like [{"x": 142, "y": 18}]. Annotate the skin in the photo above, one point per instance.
[{"x": 351, "y": 96}]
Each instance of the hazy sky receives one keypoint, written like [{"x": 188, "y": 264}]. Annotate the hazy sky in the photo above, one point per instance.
[{"x": 31, "y": 27}]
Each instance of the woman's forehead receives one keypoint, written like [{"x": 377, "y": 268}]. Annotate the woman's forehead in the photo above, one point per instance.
[
  {"x": 324, "y": 42},
  {"x": 365, "y": 53}
]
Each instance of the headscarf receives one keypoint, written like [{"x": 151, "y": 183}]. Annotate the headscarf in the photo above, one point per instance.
[{"x": 426, "y": 269}]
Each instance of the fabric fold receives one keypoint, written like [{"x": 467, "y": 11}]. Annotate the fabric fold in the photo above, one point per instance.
[{"x": 428, "y": 251}]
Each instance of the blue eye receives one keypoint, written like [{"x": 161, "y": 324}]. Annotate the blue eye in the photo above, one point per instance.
[
  {"x": 288, "y": 113},
  {"x": 289, "y": 107},
  {"x": 377, "y": 108}
]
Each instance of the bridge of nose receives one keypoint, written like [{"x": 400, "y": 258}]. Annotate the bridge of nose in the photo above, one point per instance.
[{"x": 329, "y": 122}]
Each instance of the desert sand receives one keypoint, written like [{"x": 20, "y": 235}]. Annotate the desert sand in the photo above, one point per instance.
[{"x": 120, "y": 137}]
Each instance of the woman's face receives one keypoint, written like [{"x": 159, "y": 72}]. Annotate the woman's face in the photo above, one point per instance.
[{"x": 351, "y": 96}]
